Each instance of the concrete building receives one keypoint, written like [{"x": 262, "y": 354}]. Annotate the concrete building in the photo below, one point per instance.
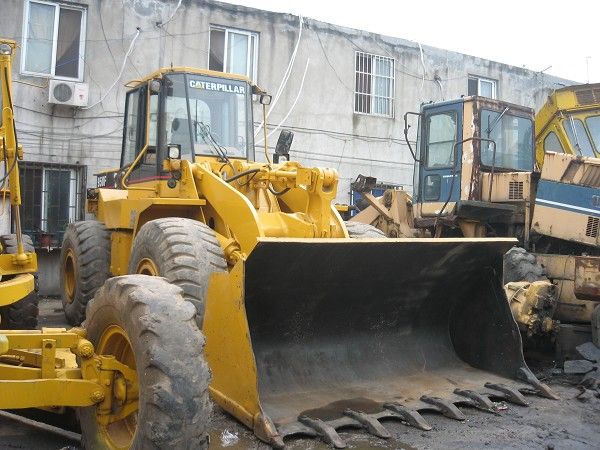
[{"x": 342, "y": 91}]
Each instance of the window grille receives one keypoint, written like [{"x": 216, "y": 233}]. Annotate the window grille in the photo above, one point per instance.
[{"x": 374, "y": 85}]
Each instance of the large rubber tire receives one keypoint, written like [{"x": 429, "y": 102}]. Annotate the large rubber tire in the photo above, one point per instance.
[
  {"x": 85, "y": 255},
  {"x": 520, "y": 265},
  {"x": 167, "y": 347},
  {"x": 21, "y": 315},
  {"x": 184, "y": 251},
  {"x": 357, "y": 230}
]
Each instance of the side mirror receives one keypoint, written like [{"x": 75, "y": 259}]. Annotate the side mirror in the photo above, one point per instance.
[{"x": 284, "y": 143}]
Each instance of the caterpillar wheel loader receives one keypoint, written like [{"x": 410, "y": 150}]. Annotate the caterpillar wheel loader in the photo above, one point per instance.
[
  {"x": 18, "y": 263},
  {"x": 476, "y": 175},
  {"x": 311, "y": 324}
]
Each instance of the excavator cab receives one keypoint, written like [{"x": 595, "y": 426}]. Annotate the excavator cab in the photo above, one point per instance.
[{"x": 474, "y": 165}]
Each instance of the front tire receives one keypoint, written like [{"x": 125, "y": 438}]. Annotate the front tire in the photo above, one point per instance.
[
  {"x": 184, "y": 251},
  {"x": 147, "y": 324},
  {"x": 85, "y": 266}
]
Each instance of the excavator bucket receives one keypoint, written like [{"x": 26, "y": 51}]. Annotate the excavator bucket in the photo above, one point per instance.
[{"x": 346, "y": 332}]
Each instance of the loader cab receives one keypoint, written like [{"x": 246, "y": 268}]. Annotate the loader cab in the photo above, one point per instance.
[
  {"x": 468, "y": 152},
  {"x": 200, "y": 114},
  {"x": 569, "y": 122}
]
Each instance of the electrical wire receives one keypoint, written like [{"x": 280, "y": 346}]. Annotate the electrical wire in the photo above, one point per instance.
[
  {"x": 171, "y": 16},
  {"x": 293, "y": 104},
  {"x": 286, "y": 76},
  {"x": 129, "y": 50}
]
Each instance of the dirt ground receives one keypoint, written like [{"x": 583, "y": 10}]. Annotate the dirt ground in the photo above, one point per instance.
[{"x": 568, "y": 423}]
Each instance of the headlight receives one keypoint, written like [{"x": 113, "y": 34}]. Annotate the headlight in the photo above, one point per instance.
[
  {"x": 174, "y": 151},
  {"x": 5, "y": 49}
]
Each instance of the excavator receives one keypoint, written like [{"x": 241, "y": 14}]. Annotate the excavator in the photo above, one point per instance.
[
  {"x": 18, "y": 263},
  {"x": 201, "y": 260},
  {"x": 478, "y": 173}
]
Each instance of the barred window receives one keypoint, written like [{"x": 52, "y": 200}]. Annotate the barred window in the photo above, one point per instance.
[
  {"x": 53, "y": 196},
  {"x": 374, "y": 86}
]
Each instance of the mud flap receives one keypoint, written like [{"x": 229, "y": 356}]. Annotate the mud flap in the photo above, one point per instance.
[{"x": 347, "y": 332}]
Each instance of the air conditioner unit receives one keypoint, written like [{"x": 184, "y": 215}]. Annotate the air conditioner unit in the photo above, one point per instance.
[{"x": 68, "y": 93}]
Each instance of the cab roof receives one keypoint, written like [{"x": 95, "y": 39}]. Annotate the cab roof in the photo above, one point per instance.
[{"x": 185, "y": 69}]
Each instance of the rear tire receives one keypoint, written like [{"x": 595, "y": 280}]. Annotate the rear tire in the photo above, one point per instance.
[
  {"x": 146, "y": 323},
  {"x": 358, "y": 230},
  {"x": 520, "y": 265},
  {"x": 85, "y": 266},
  {"x": 23, "y": 314},
  {"x": 184, "y": 251}
]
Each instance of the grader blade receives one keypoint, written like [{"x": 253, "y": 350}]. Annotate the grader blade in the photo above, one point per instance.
[{"x": 347, "y": 332}]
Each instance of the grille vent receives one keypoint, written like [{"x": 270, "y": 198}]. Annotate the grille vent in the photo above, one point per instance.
[
  {"x": 515, "y": 190},
  {"x": 588, "y": 96},
  {"x": 591, "y": 176},
  {"x": 593, "y": 225}
]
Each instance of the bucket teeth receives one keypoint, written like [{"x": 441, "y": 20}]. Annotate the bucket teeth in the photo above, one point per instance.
[
  {"x": 412, "y": 417},
  {"x": 540, "y": 388},
  {"x": 446, "y": 407},
  {"x": 510, "y": 394},
  {"x": 327, "y": 432},
  {"x": 478, "y": 400},
  {"x": 369, "y": 423}
]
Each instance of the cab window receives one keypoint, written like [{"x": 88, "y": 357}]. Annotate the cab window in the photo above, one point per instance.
[
  {"x": 578, "y": 137},
  {"x": 441, "y": 136},
  {"x": 131, "y": 131},
  {"x": 552, "y": 144}
]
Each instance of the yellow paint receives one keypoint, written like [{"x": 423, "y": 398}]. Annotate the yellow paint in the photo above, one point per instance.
[
  {"x": 553, "y": 116},
  {"x": 228, "y": 348}
]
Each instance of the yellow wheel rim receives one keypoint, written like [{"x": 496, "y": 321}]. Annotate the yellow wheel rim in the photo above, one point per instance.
[
  {"x": 147, "y": 267},
  {"x": 114, "y": 341},
  {"x": 69, "y": 273}
]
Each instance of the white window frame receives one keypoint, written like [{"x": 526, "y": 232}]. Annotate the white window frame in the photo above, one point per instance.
[
  {"x": 391, "y": 97},
  {"x": 493, "y": 82},
  {"x": 82, "y": 38},
  {"x": 249, "y": 58}
]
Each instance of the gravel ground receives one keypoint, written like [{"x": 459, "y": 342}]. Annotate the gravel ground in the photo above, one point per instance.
[{"x": 568, "y": 423}]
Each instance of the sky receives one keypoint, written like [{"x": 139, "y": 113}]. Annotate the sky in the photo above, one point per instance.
[{"x": 557, "y": 37}]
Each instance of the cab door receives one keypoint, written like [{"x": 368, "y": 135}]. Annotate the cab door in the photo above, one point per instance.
[
  {"x": 135, "y": 135},
  {"x": 442, "y": 128}
]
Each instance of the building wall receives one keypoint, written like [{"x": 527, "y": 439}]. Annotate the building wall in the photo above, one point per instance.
[{"x": 327, "y": 132}]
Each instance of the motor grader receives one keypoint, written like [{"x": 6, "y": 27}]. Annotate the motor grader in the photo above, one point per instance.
[
  {"x": 310, "y": 325},
  {"x": 18, "y": 263}
]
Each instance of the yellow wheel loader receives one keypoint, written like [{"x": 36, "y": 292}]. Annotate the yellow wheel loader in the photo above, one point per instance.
[
  {"x": 18, "y": 263},
  {"x": 311, "y": 324}
]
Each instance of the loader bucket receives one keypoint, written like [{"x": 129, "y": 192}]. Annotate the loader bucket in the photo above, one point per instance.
[{"x": 345, "y": 332}]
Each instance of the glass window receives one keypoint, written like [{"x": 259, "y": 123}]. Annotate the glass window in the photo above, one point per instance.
[
  {"x": 440, "y": 140},
  {"x": 233, "y": 51},
  {"x": 483, "y": 87},
  {"x": 578, "y": 136},
  {"x": 374, "y": 85},
  {"x": 218, "y": 116},
  {"x": 593, "y": 124},
  {"x": 513, "y": 136},
  {"x": 552, "y": 144},
  {"x": 53, "y": 43},
  {"x": 130, "y": 136},
  {"x": 53, "y": 196},
  {"x": 432, "y": 188}
]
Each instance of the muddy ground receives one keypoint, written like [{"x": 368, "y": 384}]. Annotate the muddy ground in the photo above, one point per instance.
[{"x": 565, "y": 424}]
